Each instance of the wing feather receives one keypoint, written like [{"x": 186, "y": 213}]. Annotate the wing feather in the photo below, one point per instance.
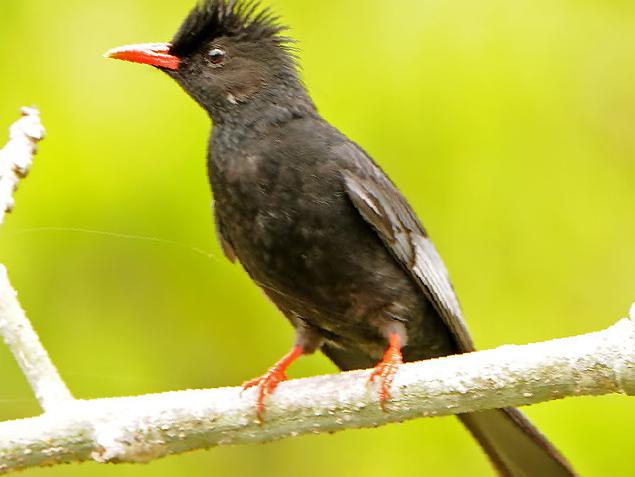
[{"x": 387, "y": 211}]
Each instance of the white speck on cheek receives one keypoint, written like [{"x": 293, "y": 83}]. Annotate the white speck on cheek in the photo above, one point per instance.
[{"x": 231, "y": 98}]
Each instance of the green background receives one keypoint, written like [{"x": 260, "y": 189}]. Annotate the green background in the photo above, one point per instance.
[{"x": 507, "y": 123}]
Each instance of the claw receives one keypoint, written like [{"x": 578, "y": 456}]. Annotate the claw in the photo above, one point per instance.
[
  {"x": 268, "y": 382},
  {"x": 386, "y": 370}
]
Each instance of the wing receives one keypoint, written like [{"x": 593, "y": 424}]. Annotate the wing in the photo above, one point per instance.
[
  {"x": 387, "y": 211},
  {"x": 228, "y": 250}
]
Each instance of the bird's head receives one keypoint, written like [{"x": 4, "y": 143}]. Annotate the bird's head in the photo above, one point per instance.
[{"x": 229, "y": 56}]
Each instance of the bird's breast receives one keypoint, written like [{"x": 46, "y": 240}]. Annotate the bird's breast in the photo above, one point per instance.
[{"x": 294, "y": 229}]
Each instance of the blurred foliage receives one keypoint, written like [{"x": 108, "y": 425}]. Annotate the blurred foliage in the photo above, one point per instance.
[{"x": 508, "y": 124}]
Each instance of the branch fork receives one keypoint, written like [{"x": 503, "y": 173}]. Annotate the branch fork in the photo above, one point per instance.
[{"x": 144, "y": 428}]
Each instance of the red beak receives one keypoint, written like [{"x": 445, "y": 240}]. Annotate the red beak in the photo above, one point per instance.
[{"x": 155, "y": 54}]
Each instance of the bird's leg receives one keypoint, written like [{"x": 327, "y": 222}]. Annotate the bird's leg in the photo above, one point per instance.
[
  {"x": 269, "y": 381},
  {"x": 385, "y": 371},
  {"x": 307, "y": 341}
]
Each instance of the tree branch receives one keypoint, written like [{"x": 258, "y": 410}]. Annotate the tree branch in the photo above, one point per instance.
[
  {"x": 143, "y": 428},
  {"x": 24, "y": 343},
  {"x": 15, "y": 161},
  {"x": 16, "y": 157},
  {"x": 140, "y": 429}
]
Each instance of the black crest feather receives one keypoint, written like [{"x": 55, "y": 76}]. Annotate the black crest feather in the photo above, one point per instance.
[{"x": 243, "y": 19}]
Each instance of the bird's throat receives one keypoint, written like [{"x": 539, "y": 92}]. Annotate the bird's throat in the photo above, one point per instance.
[{"x": 260, "y": 111}]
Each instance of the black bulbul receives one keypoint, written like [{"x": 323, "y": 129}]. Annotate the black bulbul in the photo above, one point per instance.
[{"x": 318, "y": 225}]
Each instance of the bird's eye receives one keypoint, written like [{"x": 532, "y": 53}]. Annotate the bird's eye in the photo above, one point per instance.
[{"x": 216, "y": 56}]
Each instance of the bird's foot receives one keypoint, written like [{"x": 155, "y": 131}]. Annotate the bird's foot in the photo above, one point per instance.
[
  {"x": 268, "y": 382},
  {"x": 386, "y": 370}
]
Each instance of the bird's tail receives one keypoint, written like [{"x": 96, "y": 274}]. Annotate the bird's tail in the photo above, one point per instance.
[{"x": 514, "y": 445}]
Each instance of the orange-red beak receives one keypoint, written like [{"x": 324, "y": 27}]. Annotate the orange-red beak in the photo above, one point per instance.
[{"x": 155, "y": 54}]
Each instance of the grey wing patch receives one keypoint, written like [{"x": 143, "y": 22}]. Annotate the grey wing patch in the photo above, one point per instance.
[
  {"x": 227, "y": 248},
  {"x": 382, "y": 216},
  {"x": 387, "y": 211},
  {"x": 429, "y": 268}
]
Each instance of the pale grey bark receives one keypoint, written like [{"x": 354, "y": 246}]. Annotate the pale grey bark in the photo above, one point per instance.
[
  {"x": 28, "y": 351},
  {"x": 16, "y": 157},
  {"x": 15, "y": 161},
  {"x": 144, "y": 428}
]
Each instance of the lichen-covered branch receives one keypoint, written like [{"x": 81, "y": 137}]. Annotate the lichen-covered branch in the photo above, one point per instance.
[
  {"x": 24, "y": 343},
  {"x": 15, "y": 161},
  {"x": 139, "y": 429},
  {"x": 16, "y": 157},
  {"x": 143, "y": 428}
]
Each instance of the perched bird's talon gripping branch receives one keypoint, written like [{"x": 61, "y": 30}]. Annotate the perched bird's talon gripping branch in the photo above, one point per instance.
[
  {"x": 386, "y": 370},
  {"x": 268, "y": 382}
]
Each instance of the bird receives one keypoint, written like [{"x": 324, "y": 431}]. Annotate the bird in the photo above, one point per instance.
[{"x": 318, "y": 225}]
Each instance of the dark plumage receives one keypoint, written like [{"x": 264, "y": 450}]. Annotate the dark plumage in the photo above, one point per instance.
[
  {"x": 318, "y": 225},
  {"x": 238, "y": 20}
]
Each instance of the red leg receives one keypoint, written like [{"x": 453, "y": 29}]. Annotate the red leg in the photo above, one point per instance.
[
  {"x": 268, "y": 382},
  {"x": 385, "y": 371}
]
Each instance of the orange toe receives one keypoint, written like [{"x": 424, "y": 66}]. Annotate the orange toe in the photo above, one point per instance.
[
  {"x": 384, "y": 373},
  {"x": 268, "y": 382}
]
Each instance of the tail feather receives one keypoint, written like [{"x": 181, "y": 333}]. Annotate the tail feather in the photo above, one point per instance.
[{"x": 515, "y": 447}]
